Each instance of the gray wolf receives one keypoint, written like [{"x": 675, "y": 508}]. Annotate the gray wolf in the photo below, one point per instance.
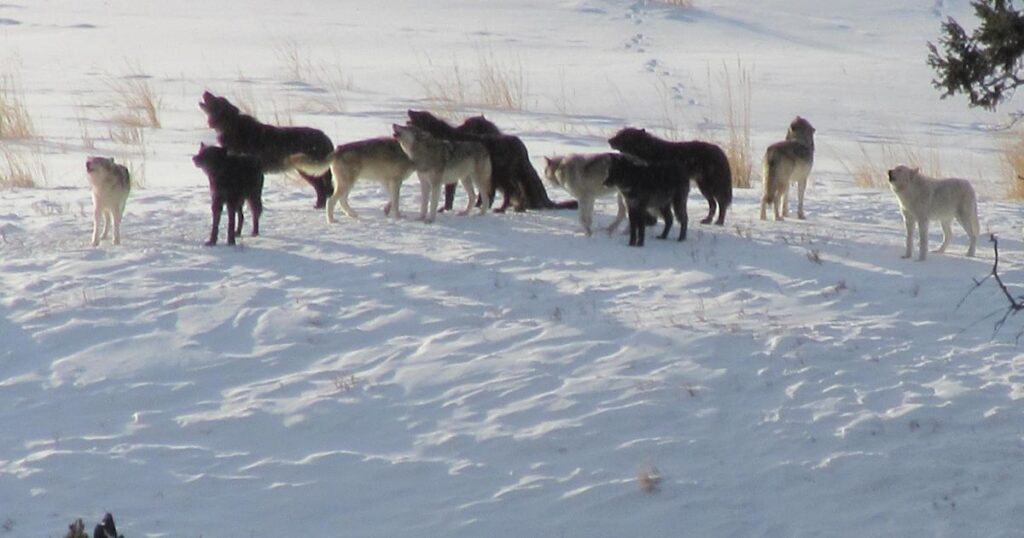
[
  {"x": 661, "y": 185},
  {"x": 379, "y": 159},
  {"x": 512, "y": 172},
  {"x": 785, "y": 163},
  {"x": 111, "y": 185},
  {"x": 923, "y": 199},
  {"x": 234, "y": 180},
  {"x": 583, "y": 177},
  {"x": 704, "y": 163},
  {"x": 106, "y": 529},
  {"x": 440, "y": 162},
  {"x": 270, "y": 145}
]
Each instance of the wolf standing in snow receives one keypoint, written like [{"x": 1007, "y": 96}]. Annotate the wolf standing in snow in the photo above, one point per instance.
[
  {"x": 703, "y": 162},
  {"x": 111, "y": 185},
  {"x": 583, "y": 177},
  {"x": 379, "y": 159},
  {"x": 923, "y": 198},
  {"x": 659, "y": 186},
  {"x": 785, "y": 163},
  {"x": 234, "y": 181},
  {"x": 441, "y": 162}
]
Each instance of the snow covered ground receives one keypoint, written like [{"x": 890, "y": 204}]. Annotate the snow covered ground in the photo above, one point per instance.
[{"x": 500, "y": 375}]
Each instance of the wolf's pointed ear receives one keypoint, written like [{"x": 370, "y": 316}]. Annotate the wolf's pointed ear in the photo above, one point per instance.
[
  {"x": 207, "y": 95},
  {"x": 202, "y": 146},
  {"x": 917, "y": 169},
  {"x": 547, "y": 160}
]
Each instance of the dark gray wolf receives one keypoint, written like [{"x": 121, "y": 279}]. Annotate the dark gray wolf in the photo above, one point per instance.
[
  {"x": 379, "y": 159},
  {"x": 661, "y": 185},
  {"x": 583, "y": 177},
  {"x": 440, "y": 162},
  {"x": 111, "y": 185},
  {"x": 270, "y": 145},
  {"x": 785, "y": 163},
  {"x": 512, "y": 172},
  {"x": 234, "y": 180},
  {"x": 703, "y": 162},
  {"x": 922, "y": 199},
  {"x": 106, "y": 529}
]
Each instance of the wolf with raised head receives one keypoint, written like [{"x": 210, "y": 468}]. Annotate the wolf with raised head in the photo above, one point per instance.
[
  {"x": 234, "y": 181},
  {"x": 378, "y": 159},
  {"x": 923, "y": 199},
  {"x": 785, "y": 163},
  {"x": 583, "y": 177},
  {"x": 441, "y": 162},
  {"x": 662, "y": 186},
  {"x": 703, "y": 162},
  {"x": 270, "y": 145},
  {"x": 111, "y": 184}
]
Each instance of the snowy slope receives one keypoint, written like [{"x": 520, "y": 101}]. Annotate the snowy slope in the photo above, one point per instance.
[{"x": 501, "y": 375}]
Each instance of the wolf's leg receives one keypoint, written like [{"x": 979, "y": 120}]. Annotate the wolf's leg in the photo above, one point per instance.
[
  {"x": 711, "y": 210},
  {"x": 97, "y": 223},
  {"x": 449, "y": 197},
  {"x": 485, "y": 192},
  {"x": 621, "y": 202},
  {"x": 435, "y": 197},
  {"x": 947, "y": 236},
  {"x": 239, "y": 219},
  {"x": 345, "y": 187},
  {"x": 232, "y": 212},
  {"x": 215, "y": 208},
  {"x": 116, "y": 217},
  {"x": 467, "y": 184},
  {"x": 393, "y": 186},
  {"x": 801, "y": 187},
  {"x": 908, "y": 223},
  {"x": 666, "y": 213},
  {"x": 967, "y": 222},
  {"x": 424, "y": 196},
  {"x": 679, "y": 205},
  {"x": 922, "y": 228},
  {"x": 255, "y": 210}
]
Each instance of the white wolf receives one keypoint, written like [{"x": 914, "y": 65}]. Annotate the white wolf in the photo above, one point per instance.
[
  {"x": 443, "y": 162},
  {"x": 788, "y": 162},
  {"x": 923, "y": 198},
  {"x": 379, "y": 159},
  {"x": 111, "y": 184},
  {"x": 583, "y": 177}
]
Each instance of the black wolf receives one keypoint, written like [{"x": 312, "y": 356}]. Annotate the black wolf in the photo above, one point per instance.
[
  {"x": 511, "y": 170},
  {"x": 703, "y": 162},
  {"x": 234, "y": 180},
  {"x": 662, "y": 186},
  {"x": 271, "y": 146}
]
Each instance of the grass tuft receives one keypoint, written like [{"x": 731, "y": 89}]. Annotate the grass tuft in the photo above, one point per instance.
[
  {"x": 15, "y": 122},
  {"x": 1013, "y": 163}
]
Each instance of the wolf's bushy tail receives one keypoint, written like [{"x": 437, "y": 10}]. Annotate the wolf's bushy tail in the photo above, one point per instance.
[{"x": 308, "y": 164}]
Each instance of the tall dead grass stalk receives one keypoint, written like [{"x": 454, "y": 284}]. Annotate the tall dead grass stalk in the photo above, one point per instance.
[
  {"x": 15, "y": 122},
  {"x": 737, "y": 87},
  {"x": 495, "y": 83},
  {"x": 1013, "y": 163}
]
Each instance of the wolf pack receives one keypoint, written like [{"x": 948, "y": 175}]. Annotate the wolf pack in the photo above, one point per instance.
[{"x": 649, "y": 177}]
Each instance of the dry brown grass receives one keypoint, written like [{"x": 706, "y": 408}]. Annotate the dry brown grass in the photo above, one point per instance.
[
  {"x": 736, "y": 88},
  {"x": 139, "y": 102},
  {"x": 495, "y": 83},
  {"x": 15, "y": 122},
  {"x": 18, "y": 171},
  {"x": 870, "y": 171},
  {"x": 326, "y": 77},
  {"x": 1013, "y": 164}
]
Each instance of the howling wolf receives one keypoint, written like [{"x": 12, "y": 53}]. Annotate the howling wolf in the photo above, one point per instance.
[{"x": 271, "y": 146}]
